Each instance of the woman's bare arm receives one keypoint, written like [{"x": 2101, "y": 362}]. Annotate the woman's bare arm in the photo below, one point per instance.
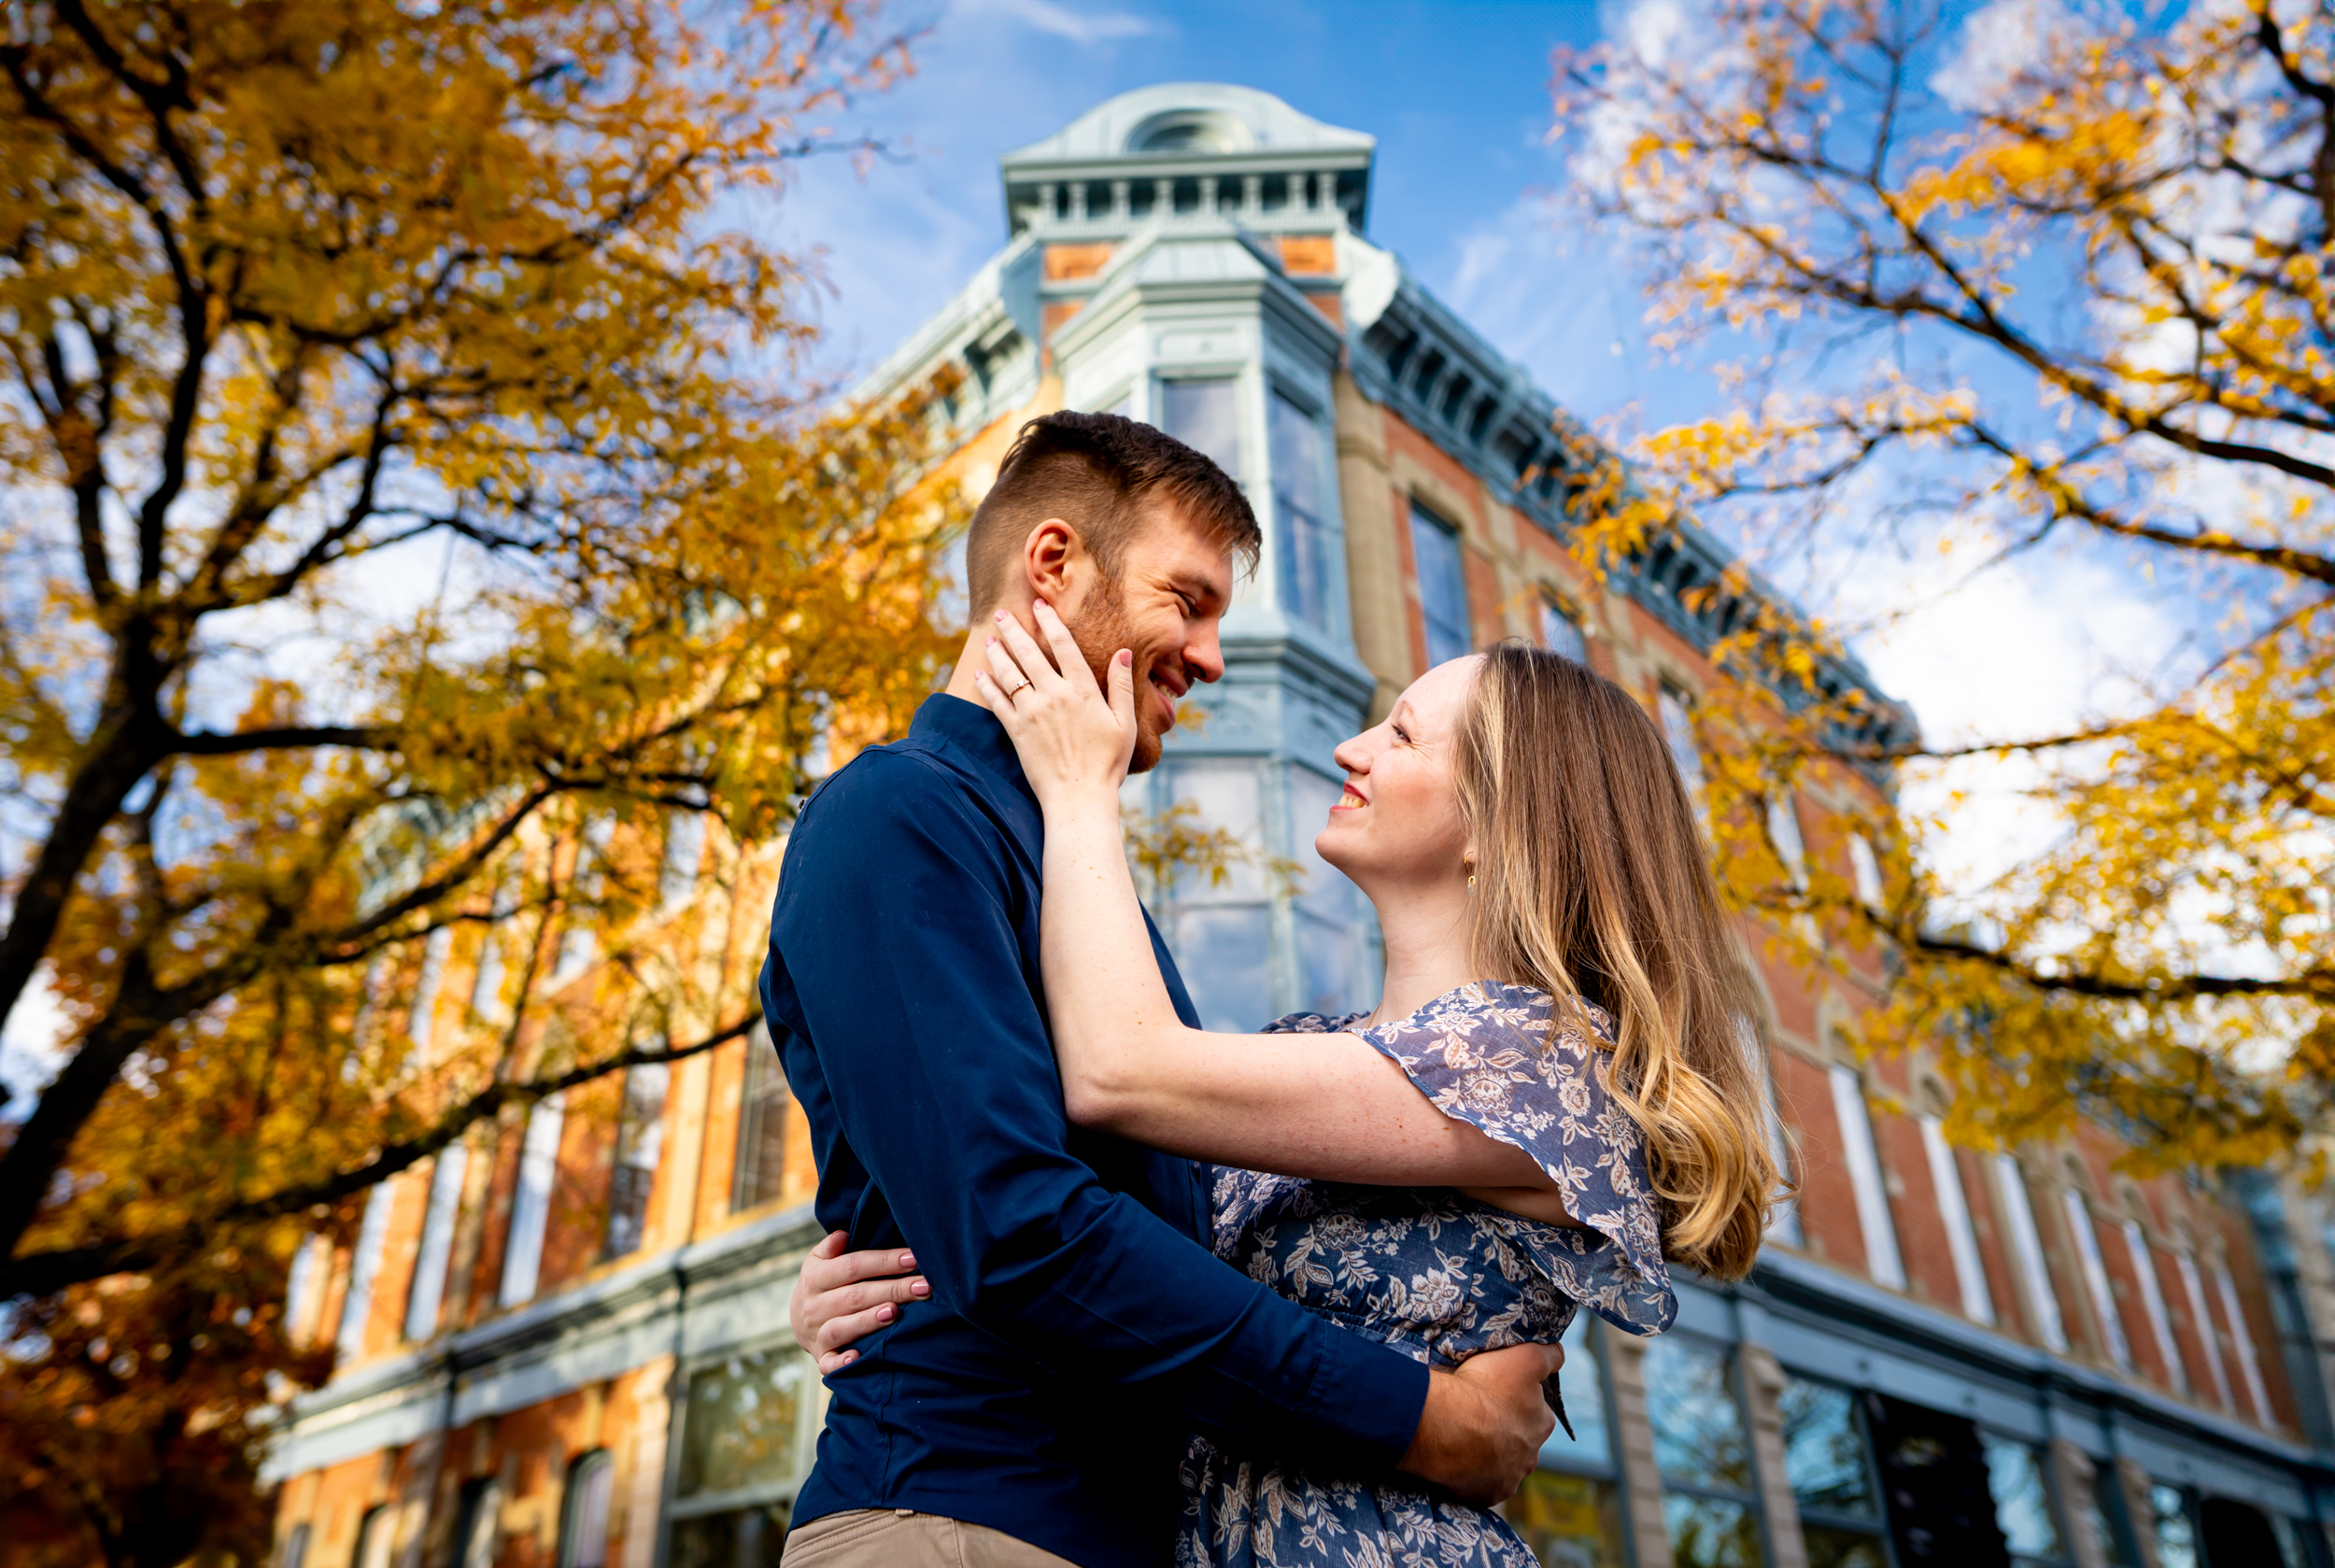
[{"x": 1321, "y": 1106}]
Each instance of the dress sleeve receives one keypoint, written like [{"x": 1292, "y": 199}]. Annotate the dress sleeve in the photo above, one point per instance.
[{"x": 1499, "y": 1058}]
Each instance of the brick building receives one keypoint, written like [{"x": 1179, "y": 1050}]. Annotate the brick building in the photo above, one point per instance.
[{"x": 565, "y": 1342}]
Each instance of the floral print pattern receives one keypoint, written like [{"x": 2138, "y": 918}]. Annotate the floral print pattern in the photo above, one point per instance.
[{"x": 1433, "y": 1275}]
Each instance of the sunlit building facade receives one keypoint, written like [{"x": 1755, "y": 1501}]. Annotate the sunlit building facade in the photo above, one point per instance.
[{"x": 564, "y": 1343}]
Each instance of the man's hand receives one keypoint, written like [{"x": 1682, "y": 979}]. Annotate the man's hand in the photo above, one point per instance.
[
  {"x": 1481, "y": 1432},
  {"x": 842, "y": 1296}
]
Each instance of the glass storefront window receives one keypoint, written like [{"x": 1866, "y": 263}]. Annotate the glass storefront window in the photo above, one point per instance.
[
  {"x": 1570, "y": 1511},
  {"x": 2022, "y": 1500},
  {"x": 1828, "y": 1461},
  {"x": 742, "y": 1449},
  {"x": 1702, "y": 1449},
  {"x": 1333, "y": 931},
  {"x": 740, "y": 1429},
  {"x": 2176, "y": 1527}
]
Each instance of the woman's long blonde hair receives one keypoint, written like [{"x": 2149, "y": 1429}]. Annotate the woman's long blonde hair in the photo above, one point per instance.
[{"x": 1590, "y": 883}]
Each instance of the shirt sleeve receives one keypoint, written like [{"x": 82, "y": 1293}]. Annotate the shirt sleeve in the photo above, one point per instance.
[{"x": 906, "y": 965}]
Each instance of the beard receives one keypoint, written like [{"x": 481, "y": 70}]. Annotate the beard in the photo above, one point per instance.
[{"x": 1101, "y": 630}]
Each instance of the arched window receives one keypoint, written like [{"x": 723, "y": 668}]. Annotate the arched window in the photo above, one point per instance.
[{"x": 584, "y": 1527}]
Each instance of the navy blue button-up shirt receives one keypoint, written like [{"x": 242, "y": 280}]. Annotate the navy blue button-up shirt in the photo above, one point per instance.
[{"x": 1079, "y": 1329}]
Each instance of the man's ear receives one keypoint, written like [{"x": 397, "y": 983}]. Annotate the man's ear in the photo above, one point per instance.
[{"x": 1049, "y": 557}]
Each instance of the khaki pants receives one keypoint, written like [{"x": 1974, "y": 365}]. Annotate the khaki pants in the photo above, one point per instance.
[{"x": 899, "y": 1538}]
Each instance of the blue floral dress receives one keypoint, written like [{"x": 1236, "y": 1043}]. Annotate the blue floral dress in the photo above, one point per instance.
[{"x": 1435, "y": 1275}]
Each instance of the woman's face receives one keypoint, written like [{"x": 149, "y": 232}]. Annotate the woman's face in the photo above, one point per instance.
[{"x": 1398, "y": 822}]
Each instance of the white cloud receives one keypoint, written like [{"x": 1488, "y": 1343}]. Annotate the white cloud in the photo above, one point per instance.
[{"x": 1079, "y": 24}]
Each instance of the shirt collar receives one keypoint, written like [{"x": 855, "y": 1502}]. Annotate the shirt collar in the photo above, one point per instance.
[{"x": 974, "y": 730}]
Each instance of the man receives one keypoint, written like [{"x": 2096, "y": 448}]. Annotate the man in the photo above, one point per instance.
[{"x": 1034, "y": 1412}]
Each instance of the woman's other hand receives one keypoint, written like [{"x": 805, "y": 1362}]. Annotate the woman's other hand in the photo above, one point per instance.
[
  {"x": 1074, "y": 742},
  {"x": 842, "y": 1296}
]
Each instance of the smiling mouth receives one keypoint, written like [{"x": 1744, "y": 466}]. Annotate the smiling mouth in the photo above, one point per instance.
[
  {"x": 1350, "y": 800},
  {"x": 1168, "y": 692}
]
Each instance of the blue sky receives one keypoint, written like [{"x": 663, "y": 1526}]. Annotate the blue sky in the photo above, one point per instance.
[{"x": 1456, "y": 93}]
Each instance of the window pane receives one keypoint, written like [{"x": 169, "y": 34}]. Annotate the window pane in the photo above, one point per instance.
[
  {"x": 1583, "y": 1381},
  {"x": 1308, "y": 575},
  {"x": 2018, "y": 1218},
  {"x": 2096, "y": 1277},
  {"x": 640, "y": 1141},
  {"x": 1824, "y": 1449},
  {"x": 539, "y": 1165},
  {"x": 1706, "y": 1534},
  {"x": 738, "y": 1429},
  {"x": 761, "y": 1125},
  {"x": 1828, "y": 1548},
  {"x": 295, "y": 1552},
  {"x": 2022, "y": 1504},
  {"x": 375, "y": 1534},
  {"x": 1560, "y": 633},
  {"x": 1699, "y": 1437},
  {"x": 479, "y": 1525},
  {"x": 364, "y": 1264},
  {"x": 1442, "y": 588},
  {"x": 1203, "y": 415},
  {"x": 1679, "y": 729},
  {"x": 1222, "y": 954},
  {"x": 2176, "y": 1529},
  {"x": 1865, "y": 1178},
  {"x": 1570, "y": 1521},
  {"x": 585, "y": 1542},
  {"x": 741, "y": 1538},
  {"x": 428, "y": 1295}
]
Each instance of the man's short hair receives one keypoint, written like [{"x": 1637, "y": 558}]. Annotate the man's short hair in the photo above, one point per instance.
[{"x": 1096, "y": 471}]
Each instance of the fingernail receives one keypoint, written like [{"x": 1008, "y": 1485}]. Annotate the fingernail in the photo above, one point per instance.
[
  {"x": 1000, "y": 615},
  {"x": 990, "y": 642},
  {"x": 908, "y": 1260},
  {"x": 850, "y": 1356},
  {"x": 920, "y": 1289},
  {"x": 883, "y": 1314},
  {"x": 1125, "y": 656}
]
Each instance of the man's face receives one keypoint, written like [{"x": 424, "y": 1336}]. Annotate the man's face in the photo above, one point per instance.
[{"x": 1175, "y": 583}]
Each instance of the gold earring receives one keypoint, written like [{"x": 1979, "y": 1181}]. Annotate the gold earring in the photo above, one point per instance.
[{"x": 1471, "y": 878}]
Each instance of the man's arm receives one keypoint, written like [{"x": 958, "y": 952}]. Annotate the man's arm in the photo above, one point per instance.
[{"x": 893, "y": 922}]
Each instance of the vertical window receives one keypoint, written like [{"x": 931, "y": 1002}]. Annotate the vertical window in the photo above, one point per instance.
[
  {"x": 742, "y": 1441},
  {"x": 1435, "y": 546},
  {"x": 1961, "y": 1239},
  {"x": 1864, "y": 1178},
  {"x": 1221, "y": 930},
  {"x": 1783, "y": 1219},
  {"x": 2022, "y": 1501},
  {"x": 306, "y": 1286},
  {"x": 1783, "y": 831},
  {"x": 1204, "y": 416},
  {"x": 1703, "y": 1447},
  {"x": 486, "y": 990},
  {"x": 2104, "y": 1504},
  {"x": 1569, "y": 1510},
  {"x": 2096, "y": 1277},
  {"x": 1679, "y": 729},
  {"x": 364, "y": 1264},
  {"x": 531, "y": 1206},
  {"x": 1560, "y": 633},
  {"x": 684, "y": 850},
  {"x": 640, "y": 1139},
  {"x": 1308, "y": 556},
  {"x": 584, "y": 1525},
  {"x": 2034, "y": 1278},
  {"x": 1333, "y": 921},
  {"x": 2249, "y": 1364},
  {"x": 295, "y": 1549},
  {"x": 478, "y": 1524},
  {"x": 2176, "y": 1527},
  {"x": 761, "y": 1126},
  {"x": 1829, "y": 1463},
  {"x": 579, "y": 943},
  {"x": 375, "y": 1535},
  {"x": 428, "y": 1295},
  {"x": 433, "y": 956},
  {"x": 2153, "y": 1304},
  {"x": 1865, "y": 868},
  {"x": 2193, "y": 1288}
]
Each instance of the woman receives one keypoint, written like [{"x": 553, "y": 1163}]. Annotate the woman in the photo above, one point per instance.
[{"x": 1548, "y": 1104}]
